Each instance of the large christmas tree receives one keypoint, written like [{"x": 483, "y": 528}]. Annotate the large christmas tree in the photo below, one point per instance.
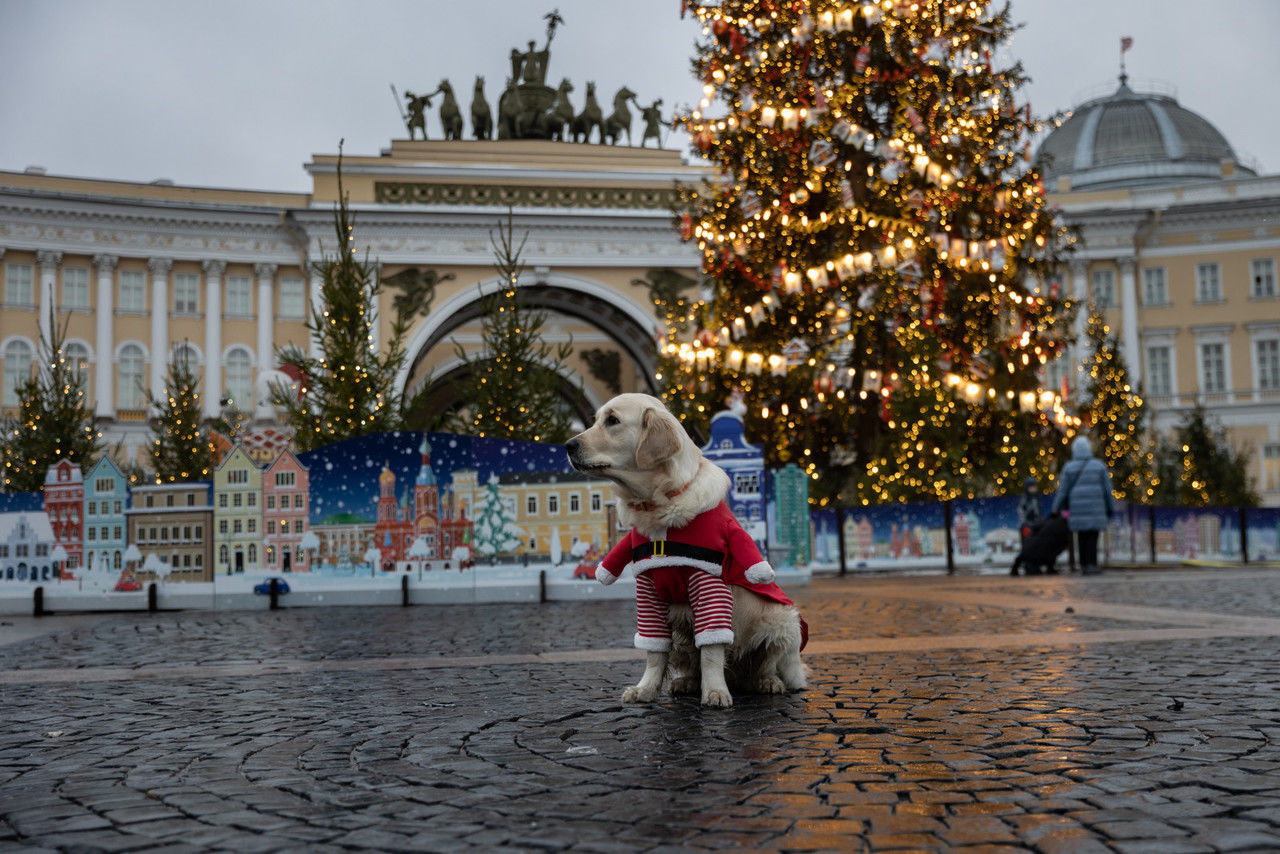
[
  {"x": 53, "y": 420},
  {"x": 349, "y": 389},
  {"x": 876, "y": 244},
  {"x": 1116, "y": 415}
]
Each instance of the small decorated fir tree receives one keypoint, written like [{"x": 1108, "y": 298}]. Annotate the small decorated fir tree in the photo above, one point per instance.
[
  {"x": 53, "y": 420},
  {"x": 1201, "y": 467},
  {"x": 1117, "y": 415},
  {"x": 182, "y": 448},
  {"x": 348, "y": 390}
]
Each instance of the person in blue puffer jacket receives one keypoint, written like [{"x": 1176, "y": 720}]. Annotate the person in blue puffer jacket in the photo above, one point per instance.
[{"x": 1084, "y": 492}]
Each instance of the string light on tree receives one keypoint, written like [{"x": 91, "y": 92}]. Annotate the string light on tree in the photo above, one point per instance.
[{"x": 874, "y": 239}]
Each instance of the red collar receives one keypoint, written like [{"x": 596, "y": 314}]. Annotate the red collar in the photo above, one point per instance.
[{"x": 649, "y": 505}]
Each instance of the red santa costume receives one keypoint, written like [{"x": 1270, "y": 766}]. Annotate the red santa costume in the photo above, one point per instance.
[{"x": 692, "y": 564}]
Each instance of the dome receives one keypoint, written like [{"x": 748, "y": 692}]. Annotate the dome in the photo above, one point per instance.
[{"x": 1132, "y": 139}]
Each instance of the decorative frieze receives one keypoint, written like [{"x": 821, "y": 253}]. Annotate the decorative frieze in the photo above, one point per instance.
[{"x": 496, "y": 195}]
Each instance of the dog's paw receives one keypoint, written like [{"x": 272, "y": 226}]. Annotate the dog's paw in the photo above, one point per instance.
[
  {"x": 688, "y": 685},
  {"x": 639, "y": 694},
  {"x": 769, "y": 683},
  {"x": 717, "y": 698}
]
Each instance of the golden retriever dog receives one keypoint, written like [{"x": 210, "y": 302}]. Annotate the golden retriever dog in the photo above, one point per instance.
[{"x": 666, "y": 489}]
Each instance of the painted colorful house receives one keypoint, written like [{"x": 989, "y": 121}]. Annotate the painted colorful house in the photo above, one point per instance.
[
  {"x": 744, "y": 463},
  {"x": 286, "y": 509},
  {"x": 791, "y": 490},
  {"x": 26, "y": 547},
  {"x": 344, "y": 538},
  {"x": 237, "y": 516},
  {"x": 173, "y": 522},
  {"x": 106, "y": 497},
  {"x": 64, "y": 505}
]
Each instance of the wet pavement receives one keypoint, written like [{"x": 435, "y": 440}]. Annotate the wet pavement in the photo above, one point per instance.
[{"x": 1132, "y": 712}]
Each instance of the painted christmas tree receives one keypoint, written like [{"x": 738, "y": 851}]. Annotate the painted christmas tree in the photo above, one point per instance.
[
  {"x": 875, "y": 243},
  {"x": 1117, "y": 415},
  {"x": 494, "y": 532}
]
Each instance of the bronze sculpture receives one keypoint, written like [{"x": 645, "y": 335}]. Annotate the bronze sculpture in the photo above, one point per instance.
[
  {"x": 619, "y": 120},
  {"x": 560, "y": 116},
  {"x": 652, "y": 123},
  {"x": 450, "y": 115},
  {"x": 481, "y": 117},
  {"x": 590, "y": 117}
]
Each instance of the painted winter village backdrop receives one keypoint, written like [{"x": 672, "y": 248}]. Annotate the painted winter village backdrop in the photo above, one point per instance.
[{"x": 410, "y": 502}]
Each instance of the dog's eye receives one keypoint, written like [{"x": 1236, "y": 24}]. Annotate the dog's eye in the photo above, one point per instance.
[{"x": 610, "y": 420}]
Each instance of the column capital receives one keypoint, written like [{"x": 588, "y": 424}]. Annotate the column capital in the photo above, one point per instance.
[
  {"x": 159, "y": 266},
  {"x": 214, "y": 267},
  {"x": 49, "y": 257},
  {"x": 265, "y": 271},
  {"x": 105, "y": 263},
  {"x": 1079, "y": 266},
  {"x": 1128, "y": 264}
]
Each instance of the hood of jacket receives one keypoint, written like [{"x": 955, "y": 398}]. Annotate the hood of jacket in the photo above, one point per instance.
[{"x": 1080, "y": 449}]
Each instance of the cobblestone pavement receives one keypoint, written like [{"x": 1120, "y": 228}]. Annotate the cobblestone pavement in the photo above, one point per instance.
[{"x": 1132, "y": 712}]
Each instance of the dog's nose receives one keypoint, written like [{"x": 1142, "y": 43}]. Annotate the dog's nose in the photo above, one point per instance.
[{"x": 572, "y": 445}]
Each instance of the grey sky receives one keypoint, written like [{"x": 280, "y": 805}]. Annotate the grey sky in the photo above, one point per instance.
[{"x": 240, "y": 93}]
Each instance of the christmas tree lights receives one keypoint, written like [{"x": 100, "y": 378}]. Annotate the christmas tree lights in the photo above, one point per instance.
[
  {"x": 874, "y": 241},
  {"x": 182, "y": 449}
]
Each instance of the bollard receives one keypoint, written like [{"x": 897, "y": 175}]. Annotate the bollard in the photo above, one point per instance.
[
  {"x": 1244, "y": 535},
  {"x": 844, "y": 556},
  {"x": 38, "y": 610},
  {"x": 542, "y": 585},
  {"x": 404, "y": 591},
  {"x": 948, "y": 516},
  {"x": 273, "y": 588},
  {"x": 152, "y": 596}
]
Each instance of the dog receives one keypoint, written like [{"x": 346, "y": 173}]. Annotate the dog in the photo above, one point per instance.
[{"x": 673, "y": 499}]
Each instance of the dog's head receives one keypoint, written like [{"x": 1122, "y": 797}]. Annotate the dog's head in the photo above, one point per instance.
[{"x": 633, "y": 439}]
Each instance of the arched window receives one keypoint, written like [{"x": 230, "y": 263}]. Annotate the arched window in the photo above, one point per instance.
[
  {"x": 117, "y": 561},
  {"x": 130, "y": 373},
  {"x": 224, "y": 554},
  {"x": 77, "y": 357},
  {"x": 271, "y": 555},
  {"x": 185, "y": 353},
  {"x": 240, "y": 379},
  {"x": 17, "y": 368},
  {"x": 253, "y": 553}
]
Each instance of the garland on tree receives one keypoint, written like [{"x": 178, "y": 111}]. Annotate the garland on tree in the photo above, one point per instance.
[
  {"x": 874, "y": 241},
  {"x": 182, "y": 449}
]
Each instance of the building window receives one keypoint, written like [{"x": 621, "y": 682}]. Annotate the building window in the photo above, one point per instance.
[
  {"x": 237, "y": 500},
  {"x": 1208, "y": 282},
  {"x": 1155, "y": 290},
  {"x": 75, "y": 287},
  {"x": 77, "y": 358},
  {"x": 18, "y": 288},
  {"x": 222, "y": 499},
  {"x": 1159, "y": 371},
  {"x": 1271, "y": 467},
  {"x": 285, "y": 478},
  {"x": 239, "y": 296},
  {"x": 238, "y": 476},
  {"x": 132, "y": 292},
  {"x": 1213, "y": 368},
  {"x": 292, "y": 302},
  {"x": 1262, "y": 273},
  {"x": 1267, "y": 353},
  {"x": 297, "y": 526},
  {"x": 239, "y": 379},
  {"x": 130, "y": 391},
  {"x": 252, "y": 525},
  {"x": 553, "y": 504},
  {"x": 251, "y": 499},
  {"x": 595, "y": 502},
  {"x": 104, "y": 484},
  {"x": 297, "y": 499},
  {"x": 271, "y": 502},
  {"x": 746, "y": 483},
  {"x": 1104, "y": 288},
  {"x": 531, "y": 506},
  {"x": 237, "y": 526},
  {"x": 186, "y": 293},
  {"x": 17, "y": 369},
  {"x": 533, "y": 544},
  {"x": 575, "y": 503}
]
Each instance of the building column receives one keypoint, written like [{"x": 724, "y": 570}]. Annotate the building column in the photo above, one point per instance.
[
  {"x": 1129, "y": 319},
  {"x": 375, "y": 338},
  {"x": 213, "y": 271},
  {"x": 1080, "y": 294},
  {"x": 317, "y": 304},
  {"x": 105, "y": 313},
  {"x": 266, "y": 274},
  {"x": 159, "y": 269},
  {"x": 47, "y": 305}
]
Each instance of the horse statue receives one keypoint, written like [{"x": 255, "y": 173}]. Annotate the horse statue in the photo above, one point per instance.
[
  {"x": 510, "y": 112},
  {"x": 560, "y": 116},
  {"x": 481, "y": 117},
  {"x": 619, "y": 120},
  {"x": 450, "y": 115},
  {"x": 590, "y": 117}
]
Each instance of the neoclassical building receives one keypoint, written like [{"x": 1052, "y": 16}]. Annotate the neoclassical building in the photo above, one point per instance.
[
  {"x": 142, "y": 271},
  {"x": 1180, "y": 245}
]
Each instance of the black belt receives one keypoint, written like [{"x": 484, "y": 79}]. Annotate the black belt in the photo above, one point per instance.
[{"x": 666, "y": 548}]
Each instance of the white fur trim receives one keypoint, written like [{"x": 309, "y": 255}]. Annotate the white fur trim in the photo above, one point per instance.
[
  {"x": 654, "y": 644},
  {"x": 649, "y": 563},
  {"x": 711, "y": 636},
  {"x": 760, "y": 573},
  {"x": 604, "y": 576}
]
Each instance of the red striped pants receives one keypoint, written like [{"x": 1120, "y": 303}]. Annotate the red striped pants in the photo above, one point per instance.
[{"x": 708, "y": 595}]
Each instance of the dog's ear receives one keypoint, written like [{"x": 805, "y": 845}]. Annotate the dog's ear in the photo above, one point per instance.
[{"x": 659, "y": 439}]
